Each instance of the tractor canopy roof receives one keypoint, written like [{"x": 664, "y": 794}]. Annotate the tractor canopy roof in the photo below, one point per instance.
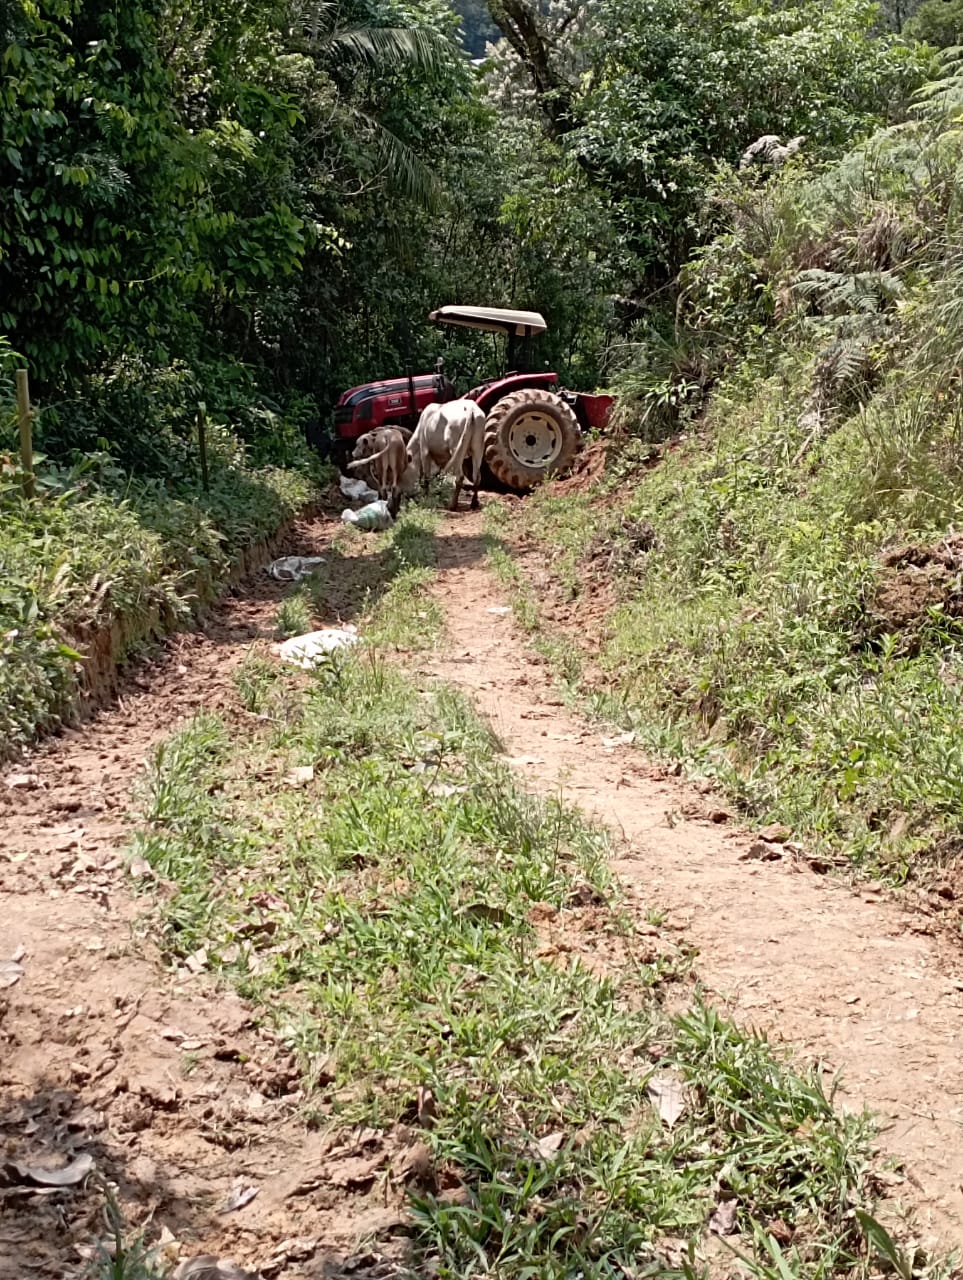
[{"x": 493, "y": 319}]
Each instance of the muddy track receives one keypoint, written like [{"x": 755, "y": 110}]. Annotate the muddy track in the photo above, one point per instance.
[{"x": 164, "y": 1080}]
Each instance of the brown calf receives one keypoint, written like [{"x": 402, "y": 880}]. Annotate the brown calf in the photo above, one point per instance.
[{"x": 388, "y": 462}]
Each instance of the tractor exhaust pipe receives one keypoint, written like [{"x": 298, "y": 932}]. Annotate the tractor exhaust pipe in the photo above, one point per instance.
[{"x": 412, "y": 408}]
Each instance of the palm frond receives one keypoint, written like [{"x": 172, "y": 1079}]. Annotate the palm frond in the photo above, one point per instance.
[
  {"x": 378, "y": 48},
  {"x": 314, "y": 17},
  {"x": 404, "y": 169}
]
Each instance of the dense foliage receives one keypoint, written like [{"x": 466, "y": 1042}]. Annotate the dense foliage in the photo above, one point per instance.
[
  {"x": 938, "y": 23},
  {"x": 235, "y": 210},
  {"x": 294, "y": 186},
  {"x": 682, "y": 86}
]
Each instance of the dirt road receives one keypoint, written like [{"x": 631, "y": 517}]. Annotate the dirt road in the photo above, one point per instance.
[
  {"x": 162, "y": 1080},
  {"x": 843, "y": 975}
]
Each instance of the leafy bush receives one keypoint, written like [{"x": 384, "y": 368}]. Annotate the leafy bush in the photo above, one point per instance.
[{"x": 938, "y": 23}]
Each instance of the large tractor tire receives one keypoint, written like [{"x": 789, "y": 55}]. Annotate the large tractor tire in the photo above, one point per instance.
[{"x": 530, "y": 434}]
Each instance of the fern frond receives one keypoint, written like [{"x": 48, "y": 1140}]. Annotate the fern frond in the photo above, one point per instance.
[{"x": 838, "y": 293}]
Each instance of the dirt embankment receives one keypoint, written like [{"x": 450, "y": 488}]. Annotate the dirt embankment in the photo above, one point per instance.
[{"x": 918, "y": 586}]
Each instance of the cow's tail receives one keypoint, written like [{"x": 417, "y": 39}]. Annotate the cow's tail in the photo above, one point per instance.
[{"x": 366, "y": 462}]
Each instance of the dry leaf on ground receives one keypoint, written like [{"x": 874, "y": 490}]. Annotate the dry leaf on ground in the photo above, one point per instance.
[
  {"x": 668, "y": 1093},
  {"x": 549, "y": 1145},
  {"x": 207, "y": 1267},
  {"x": 37, "y": 1175},
  {"x": 723, "y": 1220},
  {"x": 239, "y": 1197}
]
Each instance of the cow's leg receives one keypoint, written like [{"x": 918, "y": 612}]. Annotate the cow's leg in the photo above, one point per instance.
[
  {"x": 393, "y": 481},
  {"x": 459, "y": 481}
]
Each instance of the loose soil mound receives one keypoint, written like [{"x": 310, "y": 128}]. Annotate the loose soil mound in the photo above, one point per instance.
[{"x": 916, "y": 580}]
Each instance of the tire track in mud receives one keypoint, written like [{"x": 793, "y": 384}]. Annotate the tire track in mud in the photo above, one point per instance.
[{"x": 846, "y": 975}]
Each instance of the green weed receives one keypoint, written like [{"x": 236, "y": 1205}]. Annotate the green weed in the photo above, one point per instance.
[
  {"x": 123, "y": 1255},
  {"x": 255, "y": 680},
  {"x": 294, "y": 615}
]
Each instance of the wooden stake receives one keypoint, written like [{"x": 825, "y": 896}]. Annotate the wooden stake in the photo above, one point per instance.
[
  {"x": 24, "y": 417},
  {"x": 202, "y": 445}
]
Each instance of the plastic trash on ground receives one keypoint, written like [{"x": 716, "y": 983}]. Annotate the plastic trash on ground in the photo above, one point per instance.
[
  {"x": 374, "y": 516},
  {"x": 357, "y": 490},
  {"x": 315, "y": 647},
  {"x": 293, "y": 568}
]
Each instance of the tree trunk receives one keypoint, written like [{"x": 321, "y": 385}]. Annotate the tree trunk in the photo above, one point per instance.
[{"x": 520, "y": 23}]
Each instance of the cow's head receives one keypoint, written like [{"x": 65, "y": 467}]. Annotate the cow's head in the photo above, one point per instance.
[{"x": 364, "y": 446}]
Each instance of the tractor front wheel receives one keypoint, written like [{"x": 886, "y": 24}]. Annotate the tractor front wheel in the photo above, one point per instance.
[{"x": 530, "y": 434}]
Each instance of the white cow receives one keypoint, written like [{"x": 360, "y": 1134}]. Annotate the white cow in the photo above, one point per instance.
[{"x": 446, "y": 437}]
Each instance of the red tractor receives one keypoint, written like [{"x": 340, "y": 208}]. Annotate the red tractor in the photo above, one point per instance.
[{"x": 534, "y": 426}]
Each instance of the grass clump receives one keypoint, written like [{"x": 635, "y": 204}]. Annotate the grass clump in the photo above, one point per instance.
[
  {"x": 294, "y": 614},
  {"x": 405, "y": 616},
  {"x": 397, "y": 916}
]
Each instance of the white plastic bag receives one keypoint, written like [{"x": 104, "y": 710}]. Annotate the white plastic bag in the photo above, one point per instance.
[
  {"x": 315, "y": 647},
  {"x": 355, "y": 489},
  {"x": 293, "y": 568},
  {"x": 374, "y": 516}
]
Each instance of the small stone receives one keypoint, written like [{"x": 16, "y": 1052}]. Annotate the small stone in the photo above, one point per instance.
[{"x": 775, "y": 833}]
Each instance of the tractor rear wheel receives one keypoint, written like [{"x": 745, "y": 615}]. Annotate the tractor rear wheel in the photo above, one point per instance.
[{"x": 530, "y": 434}]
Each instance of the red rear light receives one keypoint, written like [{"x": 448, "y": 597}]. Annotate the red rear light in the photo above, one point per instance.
[{"x": 364, "y": 411}]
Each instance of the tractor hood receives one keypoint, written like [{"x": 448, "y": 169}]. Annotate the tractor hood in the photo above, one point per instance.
[{"x": 492, "y": 319}]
